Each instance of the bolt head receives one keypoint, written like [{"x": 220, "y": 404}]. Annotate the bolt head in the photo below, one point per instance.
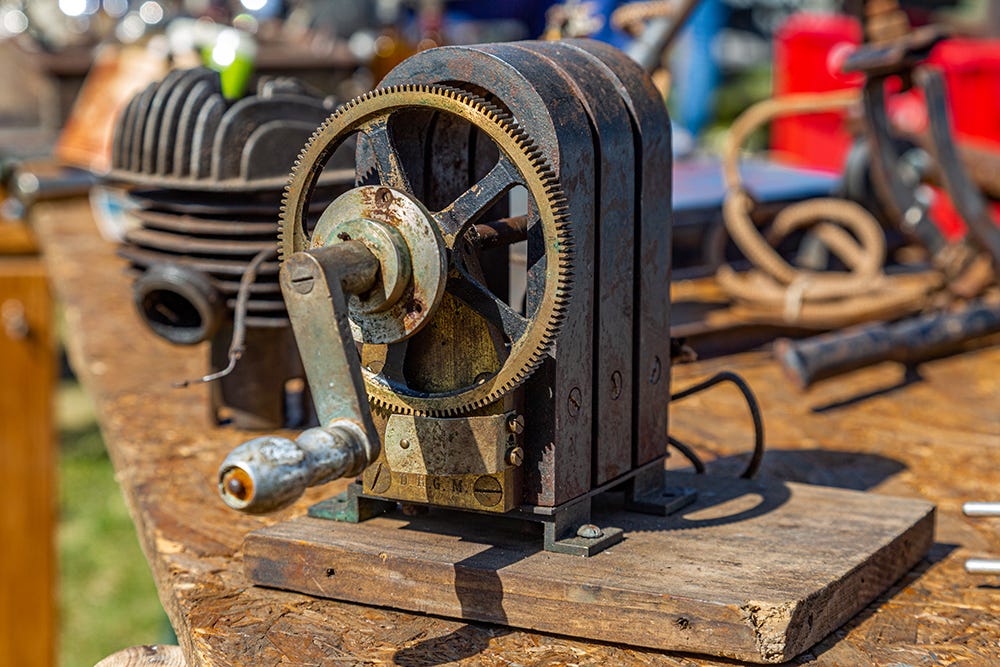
[
  {"x": 574, "y": 402},
  {"x": 616, "y": 385},
  {"x": 655, "y": 371},
  {"x": 589, "y": 531}
]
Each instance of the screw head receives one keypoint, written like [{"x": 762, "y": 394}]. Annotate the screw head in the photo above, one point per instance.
[
  {"x": 574, "y": 402},
  {"x": 515, "y": 424},
  {"x": 515, "y": 456},
  {"x": 616, "y": 385},
  {"x": 301, "y": 277},
  {"x": 589, "y": 531},
  {"x": 380, "y": 479},
  {"x": 487, "y": 491},
  {"x": 655, "y": 371}
]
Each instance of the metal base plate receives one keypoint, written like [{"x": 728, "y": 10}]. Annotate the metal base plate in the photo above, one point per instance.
[{"x": 566, "y": 529}]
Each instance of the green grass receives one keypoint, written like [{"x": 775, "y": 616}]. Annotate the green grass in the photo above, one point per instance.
[{"x": 107, "y": 598}]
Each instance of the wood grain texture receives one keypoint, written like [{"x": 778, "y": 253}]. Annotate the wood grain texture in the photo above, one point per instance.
[
  {"x": 751, "y": 571},
  {"x": 28, "y": 490},
  {"x": 146, "y": 656},
  {"x": 936, "y": 438}
]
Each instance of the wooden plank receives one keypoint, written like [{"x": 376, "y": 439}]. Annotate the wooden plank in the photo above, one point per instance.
[
  {"x": 751, "y": 571},
  {"x": 15, "y": 236},
  {"x": 27, "y": 474},
  {"x": 937, "y": 438}
]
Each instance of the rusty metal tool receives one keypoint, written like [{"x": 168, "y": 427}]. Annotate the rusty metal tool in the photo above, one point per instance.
[
  {"x": 659, "y": 32},
  {"x": 966, "y": 195},
  {"x": 900, "y": 164},
  {"x": 908, "y": 341}
]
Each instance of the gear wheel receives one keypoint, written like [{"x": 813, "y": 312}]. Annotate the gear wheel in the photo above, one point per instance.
[{"x": 528, "y": 338}]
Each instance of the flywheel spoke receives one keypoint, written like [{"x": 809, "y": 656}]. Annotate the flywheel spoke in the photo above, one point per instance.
[
  {"x": 382, "y": 148},
  {"x": 395, "y": 357},
  {"x": 494, "y": 310},
  {"x": 387, "y": 360},
  {"x": 474, "y": 202}
]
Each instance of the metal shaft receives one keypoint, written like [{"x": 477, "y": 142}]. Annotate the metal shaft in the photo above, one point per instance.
[
  {"x": 502, "y": 232},
  {"x": 908, "y": 341},
  {"x": 981, "y": 509},
  {"x": 658, "y": 36},
  {"x": 982, "y": 566}
]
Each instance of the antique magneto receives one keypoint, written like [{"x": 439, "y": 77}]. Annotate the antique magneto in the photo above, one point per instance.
[
  {"x": 441, "y": 384},
  {"x": 430, "y": 379}
]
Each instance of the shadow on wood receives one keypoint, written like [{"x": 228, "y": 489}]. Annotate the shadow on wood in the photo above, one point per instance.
[
  {"x": 466, "y": 642},
  {"x": 911, "y": 375},
  {"x": 858, "y": 471}
]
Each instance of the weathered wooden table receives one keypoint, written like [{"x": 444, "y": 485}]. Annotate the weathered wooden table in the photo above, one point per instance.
[{"x": 935, "y": 436}]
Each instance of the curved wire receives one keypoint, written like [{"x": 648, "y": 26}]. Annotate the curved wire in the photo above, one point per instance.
[
  {"x": 689, "y": 454},
  {"x": 238, "y": 343},
  {"x": 758, "y": 421}
]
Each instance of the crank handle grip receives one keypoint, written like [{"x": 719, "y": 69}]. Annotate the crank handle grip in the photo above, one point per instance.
[{"x": 271, "y": 472}]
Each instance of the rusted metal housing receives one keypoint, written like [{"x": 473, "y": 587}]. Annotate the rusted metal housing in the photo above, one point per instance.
[{"x": 596, "y": 408}]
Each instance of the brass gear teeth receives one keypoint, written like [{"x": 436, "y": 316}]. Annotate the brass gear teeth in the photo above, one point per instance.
[{"x": 544, "y": 185}]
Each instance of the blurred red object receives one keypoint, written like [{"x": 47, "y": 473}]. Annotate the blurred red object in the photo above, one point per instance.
[
  {"x": 808, "y": 51},
  {"x": 972, "y": 73}
]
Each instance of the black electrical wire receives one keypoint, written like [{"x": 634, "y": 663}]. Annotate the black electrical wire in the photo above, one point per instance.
[
  {"x": 688, "y": 453},
  {"x": 758, "y": 421}
]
